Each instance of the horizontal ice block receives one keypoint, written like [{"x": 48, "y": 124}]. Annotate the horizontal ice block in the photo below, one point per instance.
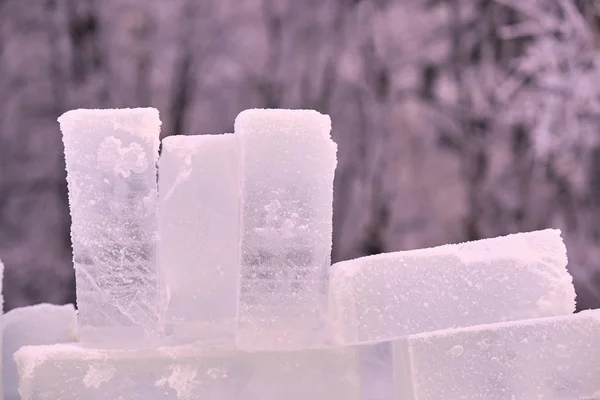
[
  {"x": 555, "y": 358},
  {"x": 387, "y": 296},
  {"x": 69, "y": 372},
  {"x": 33, "y": 325},
  {"x": 199, "y": 224},
  {"x": 111, "y": 173},
  {"x": 288, "y": 163}
]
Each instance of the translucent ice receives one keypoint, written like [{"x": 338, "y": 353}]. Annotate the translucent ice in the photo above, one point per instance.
[
  {"x": 376, "y": 371},
  {"x": 199, "y": 224},
  {"x": 33, "y": 325},
  {"x": 555, "y": 358},
  {"x": 111, "y": 172},
  {"x": 288, "y": 163},
  {"x": 387, "y": 296},
  {"x": 1, "y": 333},
  {"x": 186, "y": 374}
]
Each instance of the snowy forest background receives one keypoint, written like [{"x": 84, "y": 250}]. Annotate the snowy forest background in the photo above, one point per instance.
[{"x": 455, "y": 120}]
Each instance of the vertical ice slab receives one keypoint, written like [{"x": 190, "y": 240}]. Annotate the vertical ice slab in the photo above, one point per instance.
[
  {"x": 111, "y": 172},
  {"x": 199, "y": 225},
  {"x": 185, "y": 373},
  {"x": 555, "y": 358},
  {"x": 33, "y": 325},
  {"x": 288, "y": 163},
  {"x": 387, "y": 296}
]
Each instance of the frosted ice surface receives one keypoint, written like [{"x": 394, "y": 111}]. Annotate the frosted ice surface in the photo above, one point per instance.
[
  {"x": 111, "y": 173},
  {"x": 387, "y": 296},
  {"x": 554, "y": 358},
  {"x": 199, "y": 225},
  {"x": 33, "y": 325},
  {"x": 289, "y": 161},
  {"x": 186, "y": 373}
]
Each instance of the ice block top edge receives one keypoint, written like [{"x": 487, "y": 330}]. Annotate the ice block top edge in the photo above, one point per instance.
[
  {"x": 285, "y": 120},
  {"x": 190, "y": 143},
  {"x": 587, "y": 314},
  {"x": 77, "y": 112},
  {"x": 15, "y": 312},
  {"x": 532, "y": 246},
  {"x": 36, "y": 355},
  {"x": 141, "y": 122}
]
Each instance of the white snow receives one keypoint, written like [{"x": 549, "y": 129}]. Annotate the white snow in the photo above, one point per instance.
[{"x": 121, "y": 160}]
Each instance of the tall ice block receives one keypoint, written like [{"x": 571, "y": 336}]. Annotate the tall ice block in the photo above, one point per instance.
[
  {"x": 556, "y": 358},
  {"x": 288, "y": 163},
  {"x": 199, "y": 251},
  {"x": 387, "y": 296},
  {"x": 69, "y": 372},
  {"x": 33, "y": 325},
  {"x": 111, "y": 173}
]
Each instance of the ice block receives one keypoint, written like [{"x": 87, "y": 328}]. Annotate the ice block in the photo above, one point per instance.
[
  {"x": 111, "y": 173},
  {"x": 288, "y": 163},
  {"x": 387, "y": 296},
  {"x": 376, "y": 371},
  {"x": 33, "y": 325},
  {"x": 199, "y": 224},
  {"x": 185, "y": 373},
  {"x": 2, "y": 333},
  {"x": 554, "y": 358}
]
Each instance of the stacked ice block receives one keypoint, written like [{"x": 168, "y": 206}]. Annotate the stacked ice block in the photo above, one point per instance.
[
  {"x": 288, "y": 163},
  {"x": 41, "y": 324},
  {"x": 111, "y": 174},
  {"x": 244, "y": 303},
  {"x": 2, "y": 367},
  {"x": 185, "y": 373},
  {"x": 199, "y": 225},
  {"x": 552, "y": 358},
  {"x": 387, "y": 296}
]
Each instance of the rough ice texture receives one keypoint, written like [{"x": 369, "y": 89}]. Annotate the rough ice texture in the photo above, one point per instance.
[
  {"x": 387, "y": 296},
  {"x": 111, "y": 173},
  {"x": 199, "y": 225},
  {"x": 34, "y": 325},
  {"x": 288, "y": 163},
  {"x": 555, "y": 358},
  {"x": 186, "y": 373}
]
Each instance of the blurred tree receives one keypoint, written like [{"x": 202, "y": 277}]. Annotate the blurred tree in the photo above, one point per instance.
[{"x": 455, "y": 120}]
